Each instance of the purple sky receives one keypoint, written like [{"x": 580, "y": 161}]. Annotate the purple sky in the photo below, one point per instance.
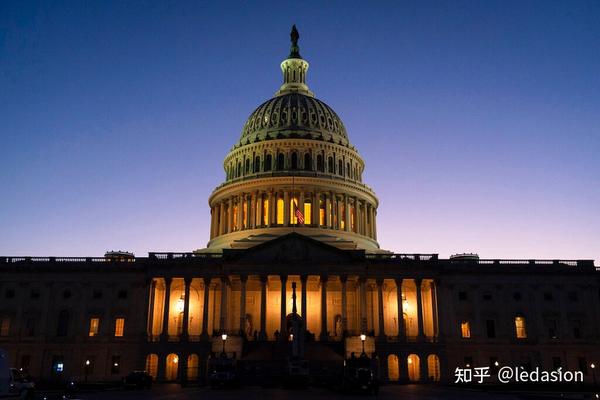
[{"x": 479, "y": 121}]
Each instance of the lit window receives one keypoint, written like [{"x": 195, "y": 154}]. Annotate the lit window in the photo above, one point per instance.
[
  {"x": 94, "y": 326},
  {"x": 308, "y": 213},
  {"x": 4, "y": 326},
  {"x": 520, "y": 328},
  {"x": 293, "y": 205},
  {"x": 119, "y": 327},
  {"x": 279, "y": 211},
  {"x": 265, "y": 220},
  {"x": 465, "y": 329}
]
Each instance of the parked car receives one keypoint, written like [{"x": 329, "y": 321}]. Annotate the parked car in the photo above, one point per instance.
[{"x": 138, "y": 379}]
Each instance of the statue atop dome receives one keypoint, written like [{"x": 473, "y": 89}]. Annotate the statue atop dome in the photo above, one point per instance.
[{"x": 294, "y": 49}]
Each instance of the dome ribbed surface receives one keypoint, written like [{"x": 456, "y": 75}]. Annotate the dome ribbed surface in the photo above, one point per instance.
[{"x": 294, "y": 115}]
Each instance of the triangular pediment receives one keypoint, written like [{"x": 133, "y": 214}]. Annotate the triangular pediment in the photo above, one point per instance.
[{"x": 293, "y": 248}]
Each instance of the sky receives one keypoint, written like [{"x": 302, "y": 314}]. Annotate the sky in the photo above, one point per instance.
[{"x": 479, "y": 121}]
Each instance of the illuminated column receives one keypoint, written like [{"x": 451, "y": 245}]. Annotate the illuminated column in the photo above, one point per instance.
[
  {"x": 263, "y": 307},
  {"x": 327, "y": 211},
  {"x": 380, "y": 307},
  {"x": 186, "y": 307},
  {"x": 370, "y": 220},
  {"x": 337, "y": 212},
  {"x": 205, "y": 307},
  {"x": 419, "y": 307},
  {"x": 243, "y": 280},
  {"x": 315, "y": 209},
  {"x": 271, "y": 209},
  {"x": 401, "y": 327},
  {"x": 286, "y": 208},
  {"x": 344, "y": 280},
  {"x": 301, "y": 202},
  {"x": 332, "y": 212},
  {"x": 259, "y": 217},
  {"x": 346, "y": 214},
  {"x": 324, "y": 335},
  {"x": 221, "y": 218},
  {"x": 150, "y": 325},
  {"x": 356, "y": 219},
  {"x": 165, "y": 327},
  {"x": 240, "y": 212},
  {"x": 282, "y": 330},
  {"x": 434, "y": 308},
  {"x": 252, "y": 211},
  {"x": 230, "y": 215},
  {"x": 363, "y": 305},
  {"x": 223, "y": 319},
  {"x": 304, "y": 281}
]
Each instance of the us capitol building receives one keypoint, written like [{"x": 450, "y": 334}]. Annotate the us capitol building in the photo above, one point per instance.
[{"x": 294, "y": 210}]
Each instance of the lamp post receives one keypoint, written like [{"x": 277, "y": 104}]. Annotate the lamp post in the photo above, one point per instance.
[
  {"x": 87, "y": 366},
  {"x": 224, "y": 337},
  {"x": 363, "y": 337},
  {"x": 593, "y": 367}
]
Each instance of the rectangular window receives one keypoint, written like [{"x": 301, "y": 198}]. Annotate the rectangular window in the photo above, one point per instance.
[
  {"x": 307, "y": 213},
  {"x": 119, "y": 327},
  {"x": 94, "y": 326},
  {"x": 279, "y": 211},
  {"x": 4, "y": 326},
  {"x": 321, "y": 212},
  {"x": 490, "y": 328},
  {"x": 265, "y": 220},
  {"x": 465, "y": 329},
  {"x": 520, "y": 328}
]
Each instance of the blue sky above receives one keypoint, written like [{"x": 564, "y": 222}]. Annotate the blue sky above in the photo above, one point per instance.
[{"x": 478, "y": 121}]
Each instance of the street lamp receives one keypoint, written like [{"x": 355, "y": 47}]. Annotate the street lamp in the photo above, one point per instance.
[
  {"x": 593, "y": 367},
  {"x": 224, "y": 337},
  {"x": 86, "y": 369},
  {"x": 363, "y": 337}
]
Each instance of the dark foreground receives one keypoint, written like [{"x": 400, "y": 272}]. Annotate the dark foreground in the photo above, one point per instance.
[{"x": 396, "y": 392}]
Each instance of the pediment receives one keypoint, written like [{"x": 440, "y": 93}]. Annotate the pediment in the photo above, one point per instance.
[{"x": 293, "y": 248}]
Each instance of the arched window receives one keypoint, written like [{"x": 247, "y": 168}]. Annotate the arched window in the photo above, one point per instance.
[
  {"x": 279, "y": 210},
  {"x": 520, "y": 327},
  {"x": 239, "y": 169},
  {"x": 62, "y": 328},
  {"x": 340, "y": 167},
  {"x": 414, "y": 372},
  {"x": 152, "y": 365},
  {"x": 307, "y": 162},
  {"x": 256, "y": 164},
  {"x": 433, "y": 368},
  {"x": 320, "y": 163},
  {"x": 393, "y": 367},
  {"x": 294, "y": 161},
  {"x": 330, "y": 165},
  {"x": 280, "y": 162},
  {"x": 192, "y": 367},
  {"x": 348, "y": 169},
  {"x": 268, "y": 162},
  {"x": 172, "y": 364},
  {"x": 247, "y": 167}
]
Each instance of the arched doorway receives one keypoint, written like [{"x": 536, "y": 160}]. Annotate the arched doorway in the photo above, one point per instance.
[
  {"x": 433, "y": 368},
  {"x": 152, "y": 365},
  {"x": 171, "y": 367},
  {"x": 192, "y": 367},
  {"x": 393, "y": 367},
  {"x": 414, "y": 373}
]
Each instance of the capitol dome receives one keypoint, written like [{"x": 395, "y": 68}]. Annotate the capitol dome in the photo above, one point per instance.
[{"x": 293, "y": 169}]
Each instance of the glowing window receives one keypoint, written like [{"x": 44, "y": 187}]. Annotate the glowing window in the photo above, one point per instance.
[
  {"x": 4, "y": 326},
  {"x": 307, "y": 213},
  {"x": 119, "y": 327},
  {"x": 465, "y": 329},
  {"x": 265, "y": 216},
  {"x": 279, "y": 211},
  {"x": 244, "y": 214},
  {"x": 94, "y": 326},
  {"x": 520, "y": 328}
]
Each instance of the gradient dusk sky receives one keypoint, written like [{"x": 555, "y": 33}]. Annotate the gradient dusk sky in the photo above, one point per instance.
[{"x": 479, "y": 121}]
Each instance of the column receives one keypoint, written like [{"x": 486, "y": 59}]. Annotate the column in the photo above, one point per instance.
[
  {"x": 252, "y": 211},
  {"x": 230, "y": 216},
  {"x": 356, "y": 219},
  {"x": 272, "y": 207},
  {"x": 205, "y": 307},
  {"x": 304, "y": 281},
  {"x": 165, "y": 327},
  {"x": 434, "y": 308},
  {"x": 301, "y": 202},
  {"x": 374, "y": 224},
  {"x": 324, "y": 335},
  {"x": 401, "y": 327},
  {"x": 243, "y": 280},
  {"x": 240, "y": 212},
  {"x": 249, "y": 211},
  {"x": 150, "y": 324},
  {"x": 363, "y": 305},
  {"x": 380, "y": 307},
  {"x": 346, "y": 214},
  {"x": 283, "y": 303},
  {"x": 344, "y": 280},
  {"x": 221, "y": 218},
  {"x": 259, "y": 217},
  {"x": 263, "y": 307},
  {"x": 419, "y": 307},
  {"x": 364, "y": 219},
  {"x": 327, "y": 211},
  {"x": 186, "y": 307},
  {"x": 223, "y": 319},
  {"x": 315, "y": 209},
  {"x": 332, "y": 212},
  {"x": 286, "y": 208}
]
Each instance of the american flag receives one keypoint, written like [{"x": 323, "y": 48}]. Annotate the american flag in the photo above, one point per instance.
[{"x": 299, "y": 214}]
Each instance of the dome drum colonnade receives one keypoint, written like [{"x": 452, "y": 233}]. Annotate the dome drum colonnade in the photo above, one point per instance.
[{"x": 294, "y": 152}]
